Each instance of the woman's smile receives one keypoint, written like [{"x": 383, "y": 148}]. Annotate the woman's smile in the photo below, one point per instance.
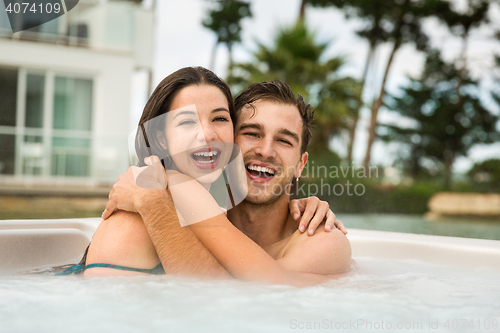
[{"x": 206, "y": 158}]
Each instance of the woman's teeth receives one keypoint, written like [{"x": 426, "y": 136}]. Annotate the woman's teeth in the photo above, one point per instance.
[
  {"x": 205, "y": 153},
  {"x": 205, "y": 156}
]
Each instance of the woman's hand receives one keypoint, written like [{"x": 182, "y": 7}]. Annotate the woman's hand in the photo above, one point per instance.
[
  {"x": 131, "y": 186},
  {"x": 314, "y": 212}
]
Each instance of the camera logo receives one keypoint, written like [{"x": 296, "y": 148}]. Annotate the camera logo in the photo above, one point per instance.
[{"x": 27, "y": 14}]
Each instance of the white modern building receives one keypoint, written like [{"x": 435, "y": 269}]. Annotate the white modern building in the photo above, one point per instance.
[{"x": 65, "y": 90}]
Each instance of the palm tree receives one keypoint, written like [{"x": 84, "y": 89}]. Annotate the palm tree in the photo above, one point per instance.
[
  {"x": 373, "y": 12},
  {"x": 297, "y": 59},
  {"x": 225, "y": 21}
]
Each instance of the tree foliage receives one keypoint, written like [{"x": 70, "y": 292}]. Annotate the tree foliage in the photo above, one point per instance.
[
  {"x": 447, "y": 114},
  {"x": 400, "y": 22},
  {"x": 486, "y": 174}
]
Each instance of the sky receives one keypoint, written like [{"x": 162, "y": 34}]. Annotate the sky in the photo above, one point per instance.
[{"x": 181, "y": 40}]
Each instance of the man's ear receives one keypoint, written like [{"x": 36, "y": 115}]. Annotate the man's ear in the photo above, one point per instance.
[{"x": 302, "y": 164}]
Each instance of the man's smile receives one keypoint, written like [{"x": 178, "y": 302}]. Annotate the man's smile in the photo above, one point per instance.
[{"x": 260, "y": 172}]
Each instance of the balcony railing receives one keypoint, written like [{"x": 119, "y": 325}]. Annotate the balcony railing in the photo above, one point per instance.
[
  {"x": 31, "y": 155},
  {"x": 105, "y": 25}
]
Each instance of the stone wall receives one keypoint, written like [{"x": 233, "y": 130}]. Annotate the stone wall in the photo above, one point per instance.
[
  {"x": 476, "y": 204},
  {"x": 43, "y": 207}
]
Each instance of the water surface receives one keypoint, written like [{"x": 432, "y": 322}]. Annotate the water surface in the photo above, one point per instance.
[
  {"x": 417, "y": 224},
  {"x": 382, "y": 293}
]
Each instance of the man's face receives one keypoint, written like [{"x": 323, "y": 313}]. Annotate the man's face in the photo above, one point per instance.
[{"x": 269, "y": 136}]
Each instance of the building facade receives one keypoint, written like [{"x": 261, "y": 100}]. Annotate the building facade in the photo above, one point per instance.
[{"x": 65, "y": 94}]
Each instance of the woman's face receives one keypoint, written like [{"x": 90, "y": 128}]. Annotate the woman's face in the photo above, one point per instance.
[{"x": 199, "y": 132}]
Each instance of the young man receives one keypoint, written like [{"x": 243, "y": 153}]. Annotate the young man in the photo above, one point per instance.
[{"x": 272, "y": 131}]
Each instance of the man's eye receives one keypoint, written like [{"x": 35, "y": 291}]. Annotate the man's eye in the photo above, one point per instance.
[
  {"x": 251, "y": 134},
  {"x": 285, "y": 142}
]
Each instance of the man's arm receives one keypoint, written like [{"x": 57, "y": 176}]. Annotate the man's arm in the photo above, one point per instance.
[{"x": 179, "y": 250}]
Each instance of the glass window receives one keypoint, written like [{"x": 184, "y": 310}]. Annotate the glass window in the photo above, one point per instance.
[
  {"x": 72, "y": 111},
  {"x": 8, "y": 96},
  {"x": 33, "y": 155},
  {"x": 72, "y": 124},
  {"x": 8, "y": 104},
  {"x": 70, "y": 157},
  {"x": 7, "y": 155},
  {"x": 72, "y": 104},
  {"x": 4, "y": 19},
  {"x": 34, "y": 100},
  {"x": 119, "y": 26}
]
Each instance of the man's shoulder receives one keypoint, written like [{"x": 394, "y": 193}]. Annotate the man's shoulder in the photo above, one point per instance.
[{"x": 322, "y": 253}]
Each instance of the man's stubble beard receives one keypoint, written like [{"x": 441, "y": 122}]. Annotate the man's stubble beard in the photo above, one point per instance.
[{"x": 270, "y": 198}]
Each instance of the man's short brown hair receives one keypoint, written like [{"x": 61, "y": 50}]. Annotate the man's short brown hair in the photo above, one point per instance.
[{"x": 278, "y": 92}]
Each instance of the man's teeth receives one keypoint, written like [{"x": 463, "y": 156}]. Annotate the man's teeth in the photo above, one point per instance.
[
  {"x": 206, "y": 153},
  {"x": 261, "y": 169}
]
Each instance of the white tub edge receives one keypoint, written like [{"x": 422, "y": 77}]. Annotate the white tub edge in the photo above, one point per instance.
[{"x": 32, "y": 244}]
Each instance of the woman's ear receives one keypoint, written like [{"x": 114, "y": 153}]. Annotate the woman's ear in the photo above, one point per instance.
[
  {"x": 161, "y": 138},
  {"x": 164, "y": 154}
]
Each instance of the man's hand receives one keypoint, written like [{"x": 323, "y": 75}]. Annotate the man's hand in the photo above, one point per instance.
[
  {"x": 131, "y": 186},
  {"x": 313, "y": 212}
]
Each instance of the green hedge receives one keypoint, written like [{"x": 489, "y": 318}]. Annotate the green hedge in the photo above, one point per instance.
[{"x": 375, "y": 197}]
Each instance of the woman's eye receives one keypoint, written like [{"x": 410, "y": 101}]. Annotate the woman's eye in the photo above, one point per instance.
[
  {"x": 223, "y": 119},
  {"x": 187, "y": 122},
  {"x": 251, "y": 134}
]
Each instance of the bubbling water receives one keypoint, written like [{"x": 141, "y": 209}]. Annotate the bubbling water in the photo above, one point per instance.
[{"x": 381, "y": 295}]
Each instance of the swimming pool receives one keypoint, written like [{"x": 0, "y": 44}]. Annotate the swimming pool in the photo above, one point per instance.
[
  {"x": 409, "y": 283},
  {"x": 468, "y": 227}
]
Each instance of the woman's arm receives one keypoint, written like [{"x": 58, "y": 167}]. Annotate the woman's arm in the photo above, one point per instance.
[
  {"x": 237, "y": 253},
  {"x": 123, "y": 239}
]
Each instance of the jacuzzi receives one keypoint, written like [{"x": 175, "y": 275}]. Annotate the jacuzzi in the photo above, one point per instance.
[{"x": 405, "y": 282}]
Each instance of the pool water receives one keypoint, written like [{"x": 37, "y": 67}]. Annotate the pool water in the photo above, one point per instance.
[
  {"x": 393, "y": 295},
  {"x": 417, "y": 224}
]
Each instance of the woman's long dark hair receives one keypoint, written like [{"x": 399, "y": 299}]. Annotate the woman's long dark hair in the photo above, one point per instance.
[{"x": 147, "y": 141}]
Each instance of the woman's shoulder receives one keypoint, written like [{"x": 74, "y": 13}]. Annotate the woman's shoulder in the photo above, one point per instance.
[
  {"x": 122, "y": 224},
  {"x": 123, "y": 239}
]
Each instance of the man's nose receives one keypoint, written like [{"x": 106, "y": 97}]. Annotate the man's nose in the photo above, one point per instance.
[{"x": 265, "y": 148}]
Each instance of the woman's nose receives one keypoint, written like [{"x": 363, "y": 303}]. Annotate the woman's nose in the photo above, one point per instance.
[{"x": 207, "y": 134}]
